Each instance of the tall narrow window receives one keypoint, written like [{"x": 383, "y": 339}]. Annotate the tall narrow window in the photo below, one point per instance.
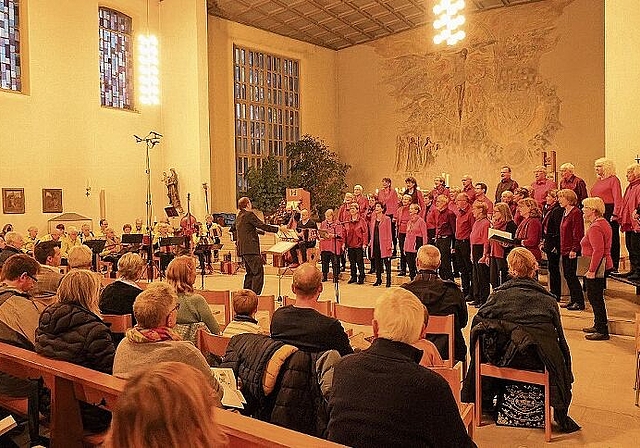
[
  {"x": 267, "y": 105},
  {"x": 10, "y": 67},
  {"x": 116, "y": 60}
]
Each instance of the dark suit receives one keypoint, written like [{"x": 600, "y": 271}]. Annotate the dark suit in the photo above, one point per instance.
[
  {"x": 247, "y": 225},
  {"x": 442, "y": 297}
]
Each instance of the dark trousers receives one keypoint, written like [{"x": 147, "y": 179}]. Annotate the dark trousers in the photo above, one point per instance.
[
  {"x": 393, "y": 235},
  {"x": 24, "y": 388},
  {"x": 254, "y": 278},
  {"x": 498, "y": 271},
  {"x": 326, "y": 257},
  {"x": 632, "y": 241},
  {"x": 480, "y": 280},
  {"x": 465, "y": 265},
  {"x": 411, "y": 263},
  {"x": 569, "y": 266},
  {"x": 553, "y": 267},
  {"x": 387, "y": 267},
  {"x": 403, "y": 257},
  {"x": 444, "y": 246},
  {"x": 615, "y": 236},
  {"x": 595, "y": 294},
  {"x": 356, "y": 263}
]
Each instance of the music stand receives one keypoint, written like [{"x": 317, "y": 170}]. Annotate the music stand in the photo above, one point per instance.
[
  {"x": 132, "y": 238},
  {"x": 280, "y": 248},
  {"x": 96, "y": 247},
  {"x": 172, "y": 241},
  {"x": 171, "y": 212}
]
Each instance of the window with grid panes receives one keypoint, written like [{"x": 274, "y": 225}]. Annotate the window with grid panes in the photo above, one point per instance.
[
  {"x": 116, "y": 59},
  {"x": 10, "y": 67},
  {"x": 267, "y": 105}
]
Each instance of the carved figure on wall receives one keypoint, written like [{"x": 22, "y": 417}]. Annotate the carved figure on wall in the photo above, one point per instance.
[
  {"x": 488, "y": 98},
  {"x": 171, "y": 181}
]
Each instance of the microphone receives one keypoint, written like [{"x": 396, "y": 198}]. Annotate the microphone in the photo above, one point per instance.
[
  {"x": 155, "y": 134},
  {"x": 138, "y": 139}
]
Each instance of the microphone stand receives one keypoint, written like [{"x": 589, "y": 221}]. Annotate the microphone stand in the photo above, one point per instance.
[{"x": 150, "y": 140}]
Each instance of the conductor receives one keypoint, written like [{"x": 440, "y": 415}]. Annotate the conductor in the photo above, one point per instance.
[{"x": 248, "y": 225}]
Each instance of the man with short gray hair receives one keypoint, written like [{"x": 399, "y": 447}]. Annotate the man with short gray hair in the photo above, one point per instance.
[
  {"x": 14, "y": 243},
  {"x": 382, "y": 397}
]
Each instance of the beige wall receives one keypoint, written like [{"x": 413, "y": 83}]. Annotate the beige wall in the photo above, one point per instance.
[
  {"x": 58, "y": 135},
  {"x": 377, "y": 81},
  {"x": 318, "y": 111},
  {"x": 622, "y": 78}
]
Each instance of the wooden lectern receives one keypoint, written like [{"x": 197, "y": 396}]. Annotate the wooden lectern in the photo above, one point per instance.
[{"x": 301, "y": 195}]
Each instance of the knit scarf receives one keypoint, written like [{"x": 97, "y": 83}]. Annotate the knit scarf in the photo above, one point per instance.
[{"x": 142, "y": 335}]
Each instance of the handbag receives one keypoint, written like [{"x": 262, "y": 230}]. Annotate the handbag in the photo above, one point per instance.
[
  {"x": 520, "y": 405},
  {"x": 583, "y": 266}
]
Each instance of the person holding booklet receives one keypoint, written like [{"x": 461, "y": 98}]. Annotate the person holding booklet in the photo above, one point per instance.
[
  {"x": 500, "y": 242},
  {"x": 596, "y": 244}
]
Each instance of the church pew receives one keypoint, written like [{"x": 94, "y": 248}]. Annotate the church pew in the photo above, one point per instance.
[{"x": 71, "y": 384}]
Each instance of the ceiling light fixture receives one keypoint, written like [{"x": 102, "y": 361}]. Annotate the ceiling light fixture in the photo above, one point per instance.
[{"x": 448, "y": 21}]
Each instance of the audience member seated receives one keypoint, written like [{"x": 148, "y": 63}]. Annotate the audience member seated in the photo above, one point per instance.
[
  {"x": 170, "y": 404},
  {"x": 13, "y": 245},
  {"x": 245, "y": 307},
  {"x": 118, "y": 297},
  {"x": 523, "y": 320},
  {"x": 441, "y": 297},
  {"x": 30, "y": 240},
  {"x": 80, "y": 257},
  {"x": 383, "y": 397},
  {"x": 301, "y": 325},
  {"x": 47, "y": 254},
  {"x": 18, "y": 322},
  {"x": 55, "y": 235},
  {"x": 153, "y": 340},
  {"x": 72, "y": 330},
  {"x": 181, "y": 274}
]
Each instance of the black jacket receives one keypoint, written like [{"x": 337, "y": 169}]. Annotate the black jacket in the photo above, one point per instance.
[
  {"x": 118, "y": 298},
  {"x": 442, "y": 297},
  {"x": 382, "y": 397},
  {"x": 551, "y": 229},
  {"x": 521, "y": 319},
  {"x": 296, "y": 401},
  {"x": 246, "y": 226},
  {"x": 69, "y": 332},
  {"x": 7, "y": 252}
]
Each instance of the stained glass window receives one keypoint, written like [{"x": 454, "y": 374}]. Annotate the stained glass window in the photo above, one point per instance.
[
  {"x": 267, "y": 109},
  {"x": 116, "y": 60},
  {"x": 10, "y": 71}
]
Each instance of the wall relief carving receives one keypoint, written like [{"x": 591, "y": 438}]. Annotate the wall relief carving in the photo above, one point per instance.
[{"x": 486, "y": 98}]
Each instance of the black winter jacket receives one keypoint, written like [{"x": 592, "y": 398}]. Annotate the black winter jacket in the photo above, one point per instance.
[{"x": 69, "y": 332}]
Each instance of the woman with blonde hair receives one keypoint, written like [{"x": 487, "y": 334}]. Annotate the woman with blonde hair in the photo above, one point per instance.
[
  {"x": 118, "y": 297},
  {"x": 520, "y": 309},
  {"x": 607, "y": 187},
  {"x": 170, "y": 404},
  {"x": 597, "y": 245},
  {"x": 529, "y": 232},
  {"x": 181, "y": 274},
  {"x": 73, "y": 331},
  {"x": 571, "y": 232},
  {"x": 503, "y": 221}
]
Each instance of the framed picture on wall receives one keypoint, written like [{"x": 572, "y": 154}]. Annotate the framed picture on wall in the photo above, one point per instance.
[
  {"x": 51, "y": 200},
  {"x": 13, "y": 201}
]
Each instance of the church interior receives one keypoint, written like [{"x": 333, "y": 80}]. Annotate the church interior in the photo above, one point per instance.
[{"x": 533, "y": 82}]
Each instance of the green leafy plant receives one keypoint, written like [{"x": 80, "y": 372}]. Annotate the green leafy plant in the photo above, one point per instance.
[
  {"x": 318, "y": 170},
  {"x": 266, "y": 186}
]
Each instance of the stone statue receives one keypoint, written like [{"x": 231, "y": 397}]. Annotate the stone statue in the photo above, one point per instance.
[{"x": 171, "y": 181}]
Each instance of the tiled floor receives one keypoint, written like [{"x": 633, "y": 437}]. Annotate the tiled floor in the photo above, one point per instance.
[{"x": 603, "y": 395}]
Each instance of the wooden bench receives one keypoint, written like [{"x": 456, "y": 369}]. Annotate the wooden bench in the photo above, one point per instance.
[
  {"x": 627, "y": 281},
  {"x": 71, "y": 384},
  {"x": 118, "y": 323}
]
